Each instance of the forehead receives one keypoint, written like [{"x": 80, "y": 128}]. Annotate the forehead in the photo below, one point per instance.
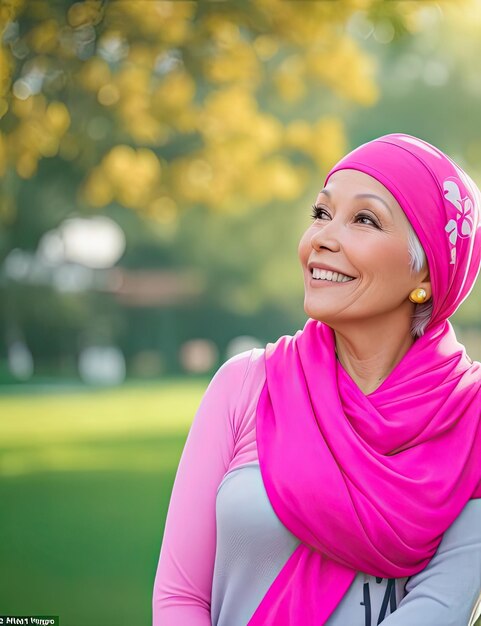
[
  {"x": 353, "y": 180},
  {"x": 348, "y": 183}
]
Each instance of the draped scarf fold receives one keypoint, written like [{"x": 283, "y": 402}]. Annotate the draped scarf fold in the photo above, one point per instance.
[
  {"x": 371, "y": 483},
  {"x": 368, "y": 482}
]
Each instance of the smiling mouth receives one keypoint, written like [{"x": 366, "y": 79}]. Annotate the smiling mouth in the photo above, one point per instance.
[{"x": 321, "y": 275}]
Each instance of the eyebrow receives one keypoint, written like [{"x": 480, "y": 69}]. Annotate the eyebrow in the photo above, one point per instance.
[{"x": 363, "y": 195}]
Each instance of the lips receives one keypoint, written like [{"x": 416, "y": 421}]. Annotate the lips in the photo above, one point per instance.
[
  {"x": 328, "y": 268},
  {"x": 331, "y": 277}
]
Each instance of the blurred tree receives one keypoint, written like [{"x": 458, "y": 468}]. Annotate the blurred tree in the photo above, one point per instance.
[
  {"x": 159, "y": 106},
  {"x": 166, "y": 104},
  {"x": 208, "y": 120}
]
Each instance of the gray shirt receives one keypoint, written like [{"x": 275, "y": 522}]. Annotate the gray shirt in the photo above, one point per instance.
[
  {"x": 223, "y": 544},
  {"x": 253, "y": 545}
]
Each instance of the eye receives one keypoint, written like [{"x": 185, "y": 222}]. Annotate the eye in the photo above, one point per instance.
[
  {"x": 317, "y": 212},
  {"x": 363, "y": 216}
]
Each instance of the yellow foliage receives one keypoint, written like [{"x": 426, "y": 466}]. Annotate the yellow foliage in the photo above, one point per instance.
[
  {"x": 191, "y": 178},
  {"x": 175, "y": 75},
  {"x": 37, "y": 138},
  {"x": 413, "y": 18},
  {"x": 22, "y": 108},
  {"x": 97, "y": 189},
  {"x": 44, "y": 37},
  {"x": 275, "y": 178},
  {"x": 133, "y": 81},
  {"x": 265, "y": 47},
  {"x": 108, "y": 94},
  {"x": 298, "y": 135},
  {"x": 3, "y": 107},
  {"x": 267, "y": 133},
  {"x": 6, "y": 67},
  {"x": 329, "y": 141},
  {"x": 9, "y": 10},
  {"x": 69, "y": 147},
  {"x": 26, "y": 165},
  {"x": 290, "y": 80},
  {"x": 148, "y": 169},
  {"x": 47, "y": 145},
  {"x": 231, "y": 58},
  {"x": 94, "y": 73},
  {"x": 118, "y": 162},
  {"x": 130, "y": 176},
  {"x": 185, "y": 120},
  {"x": 325, "y": 142},
  {"x": 38, "y": 133},
  {"x": 239, "y": 144},
  {"x": 170, "y": 19},
  {"x": 163, "y": 210},
  {"x": 199, "y": 173},
  {"x": 263, "y": 136},
  {"x": 58, "y": 117},
  {"x": 230, "y": 173},
  {"x": 3, "y": 155},
  {"x": 210, "y": 181},
  {"x": 175, "y": 91},
  {"x": 84, "y": 13},
  {"x": 142, "y": 111},
  {"x": 143, "y": 55},
  {"x": 221, "y": 29},
  {"x": 228, "y": 110},
  {"x": 236, "y": 63},
  {"x": 145, "y": 129},
  {"x": 139, "y": 107},
  {"x": 306, "y": 23},
  {"x": 347, "y": 70},
  {"x": 463, "y": 17}
]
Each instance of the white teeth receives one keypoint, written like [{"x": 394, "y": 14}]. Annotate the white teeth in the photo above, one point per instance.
[{"x": 334, "y": 277}]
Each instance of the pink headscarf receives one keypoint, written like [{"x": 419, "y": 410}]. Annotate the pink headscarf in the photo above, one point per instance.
[{"x": 371, "y": 482}]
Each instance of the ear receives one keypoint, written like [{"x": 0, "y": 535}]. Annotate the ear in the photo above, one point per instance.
[{"x": 426, "y": 285}]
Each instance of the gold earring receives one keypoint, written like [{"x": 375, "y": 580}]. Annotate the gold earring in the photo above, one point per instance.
[{"x": 418, "y": 296}]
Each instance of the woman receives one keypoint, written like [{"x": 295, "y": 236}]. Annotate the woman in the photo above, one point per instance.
[{"x": 335, "y": 477}]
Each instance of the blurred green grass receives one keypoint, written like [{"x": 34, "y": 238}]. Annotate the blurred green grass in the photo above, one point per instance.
[{"x": 85, "y": 482}]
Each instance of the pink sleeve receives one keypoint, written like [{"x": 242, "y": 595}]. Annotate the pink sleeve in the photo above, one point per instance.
[{"x": 183, "y": 582}]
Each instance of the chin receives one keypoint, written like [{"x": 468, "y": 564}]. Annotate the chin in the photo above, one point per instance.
[
  {"x": 321, "y": 314},
  {"x": 315, "y": 312}
]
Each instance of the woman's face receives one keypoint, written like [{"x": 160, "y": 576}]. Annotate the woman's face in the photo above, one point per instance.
[{"x": 365, "y": 238}]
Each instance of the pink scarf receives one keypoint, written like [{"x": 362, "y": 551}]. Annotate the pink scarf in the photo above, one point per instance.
[{"x": 371, "y": 482}]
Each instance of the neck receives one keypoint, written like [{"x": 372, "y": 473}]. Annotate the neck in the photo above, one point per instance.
[{"x": 370, "y": 354}]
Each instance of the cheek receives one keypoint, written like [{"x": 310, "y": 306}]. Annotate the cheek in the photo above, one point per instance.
[
  {"x": 388, "y": 261},
  {"x": 397, "y": 258}
]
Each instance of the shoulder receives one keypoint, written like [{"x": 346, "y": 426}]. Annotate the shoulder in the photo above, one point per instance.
[
  {"x": 466, "y": 528},
  {"x": 239, "y": 381},
  {"x": 236, "y": 370}
]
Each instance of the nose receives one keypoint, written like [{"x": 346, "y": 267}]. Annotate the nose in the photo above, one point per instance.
[{"x": 326, "y": 236}]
